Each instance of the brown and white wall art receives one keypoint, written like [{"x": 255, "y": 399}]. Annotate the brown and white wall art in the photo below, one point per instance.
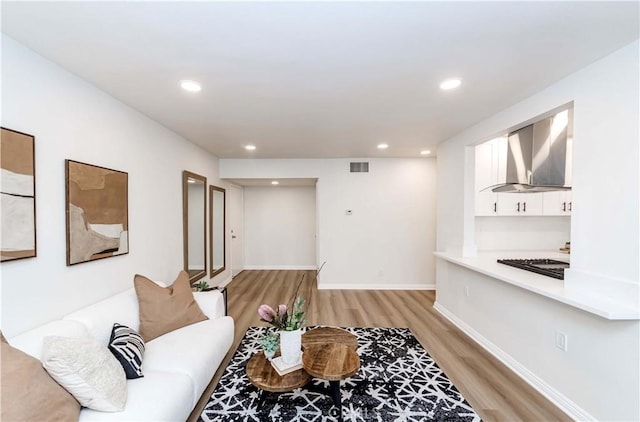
[
  {"x": 97, "y": 212},
  {"x": 18, "y": 203}
]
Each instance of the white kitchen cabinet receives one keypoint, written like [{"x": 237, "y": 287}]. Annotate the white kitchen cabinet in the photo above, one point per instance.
[
  {"x": 486, "y": 204},
  {"x": 485, "y": 176},
  {"x": 525, "y": 204},
  {"x": 557, "y": 203},
  {"x": 490, "y": 161}
]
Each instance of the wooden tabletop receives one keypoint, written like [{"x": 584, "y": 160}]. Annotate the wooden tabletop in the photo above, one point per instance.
[
  {"x": 325, "y": 335},
  {"x": 331, "y": 362},
  {"x": 264, "y": 376}
]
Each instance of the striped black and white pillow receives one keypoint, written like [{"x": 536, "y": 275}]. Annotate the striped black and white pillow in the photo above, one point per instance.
[{"x": 128, "y": 347}]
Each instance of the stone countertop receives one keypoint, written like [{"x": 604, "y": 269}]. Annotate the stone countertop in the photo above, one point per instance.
[{"x": 486, "y": 263}]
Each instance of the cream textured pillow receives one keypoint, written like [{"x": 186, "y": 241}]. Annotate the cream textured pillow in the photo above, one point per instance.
[
  {"x": 29, "y": 393},
  {"x": 164, "y": 309},
  {"x": 88, "y": 370}
]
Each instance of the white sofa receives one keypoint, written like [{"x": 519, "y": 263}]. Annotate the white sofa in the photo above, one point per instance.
[{"x": 177, "y": 366}]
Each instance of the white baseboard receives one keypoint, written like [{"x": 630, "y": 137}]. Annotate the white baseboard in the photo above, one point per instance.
[
  {"x": 557, "y": 398},
  {"x": 280, "y": 267},
  {"x": 369, "y": 286}
]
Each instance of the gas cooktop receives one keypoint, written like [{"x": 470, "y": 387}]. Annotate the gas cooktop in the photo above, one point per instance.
[{"x": 549, "y": 267}]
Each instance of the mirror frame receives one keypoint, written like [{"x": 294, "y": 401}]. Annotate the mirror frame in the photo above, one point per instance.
[
  {"x": 213, "y": 189},
  {"x": 186, "y": 175}
]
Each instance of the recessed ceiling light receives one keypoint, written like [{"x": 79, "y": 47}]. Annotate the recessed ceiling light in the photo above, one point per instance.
[
  {"x": 383, "y": 146},
  {"x": 250, "y": 147},
  {"x": 191, "y": 86},
  {"x": 450, "y": 84},
  {"x": 425, "y": 152},
  {"x": 275, "y": 182}
]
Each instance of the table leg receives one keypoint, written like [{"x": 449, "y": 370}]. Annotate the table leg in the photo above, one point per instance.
[
  {"x": 334, "y": 388},
  {"x": 335, "y": 393}
]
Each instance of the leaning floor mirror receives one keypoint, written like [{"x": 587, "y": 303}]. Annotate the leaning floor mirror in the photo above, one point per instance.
[
  {"x": 217, "y": 218},
  {"x": 194, "y": 215}
]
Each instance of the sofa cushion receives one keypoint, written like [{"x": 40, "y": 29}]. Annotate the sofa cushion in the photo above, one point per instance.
[
  {"x": 196, "y": 350},
  {"x": 159, "y": 396},
  {"x": 87, "y": 370},
  {"x": 29, "y": 393},
  {"x": 165, "y": 309},
  {"x": 128, "y": 347}
]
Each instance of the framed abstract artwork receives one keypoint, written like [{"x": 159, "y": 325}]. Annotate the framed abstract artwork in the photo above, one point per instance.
[
  {"x": 18, "y": 202},
  {"x": 97, "y": 212}
]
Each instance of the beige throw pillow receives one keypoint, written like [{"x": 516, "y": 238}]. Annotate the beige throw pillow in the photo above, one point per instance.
[
  {"x": 29, "y": 393},
  {"x": 164, "y": 309},
  {"x": 88, "y": 370}
]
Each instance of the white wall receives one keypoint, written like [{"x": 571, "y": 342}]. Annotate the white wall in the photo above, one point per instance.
[
  {"x": 72, "y": 119},
  {"x": 522, "y": 233},
  {"x": 280, "y": 227},
  {"x": 604, "y": 235},
  {"x": 388, "y": 240}
]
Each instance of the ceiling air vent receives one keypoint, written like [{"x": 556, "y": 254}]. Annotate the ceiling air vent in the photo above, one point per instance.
[{"x": 359, "y": 167}]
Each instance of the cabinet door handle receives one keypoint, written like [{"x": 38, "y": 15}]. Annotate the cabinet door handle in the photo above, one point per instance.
[
  {"x": 524, "y": 207},
  {"x": 570, "y": 205},
  {"x": 495, "y": 207},
  {"x": 564, "y": 206},
  {"x": 518, "y": 206}
]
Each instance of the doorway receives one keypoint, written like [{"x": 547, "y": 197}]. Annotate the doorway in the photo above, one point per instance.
[{"x": 236, "y": 225}]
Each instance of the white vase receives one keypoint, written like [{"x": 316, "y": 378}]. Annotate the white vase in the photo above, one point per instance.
[{"x": 291, "y": 346}]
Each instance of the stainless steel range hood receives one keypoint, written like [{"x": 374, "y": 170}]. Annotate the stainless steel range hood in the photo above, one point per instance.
[{"x": 537, "y": 156}]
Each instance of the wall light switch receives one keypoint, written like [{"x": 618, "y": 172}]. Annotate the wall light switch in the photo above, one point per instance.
[{"x": 561, "y": 341}]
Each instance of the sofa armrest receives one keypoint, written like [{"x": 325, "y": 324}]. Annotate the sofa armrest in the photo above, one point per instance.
[
  {"x": 223, "y": 290},
  {"x": 212, "y": 303}
]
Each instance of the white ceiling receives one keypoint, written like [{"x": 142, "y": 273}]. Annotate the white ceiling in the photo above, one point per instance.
[{"x": 321, "y": 79}]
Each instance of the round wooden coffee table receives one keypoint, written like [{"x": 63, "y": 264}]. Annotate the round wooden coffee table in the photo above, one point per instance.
[
  {"x": 264, "y": 376},
  {"x": 325, "y": 335},
  {"x": 329, "y": 354},
  {"x": 332, "y": 362}
]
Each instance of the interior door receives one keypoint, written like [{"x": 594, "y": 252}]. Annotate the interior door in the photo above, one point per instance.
[{"x": 236, "y": 224}]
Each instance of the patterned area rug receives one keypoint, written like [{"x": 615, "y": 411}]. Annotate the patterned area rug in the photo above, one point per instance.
[{"x": 397, "y": 381}]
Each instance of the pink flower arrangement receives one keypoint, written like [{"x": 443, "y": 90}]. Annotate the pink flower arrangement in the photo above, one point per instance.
[
  {"x": 286, "y": 317},
  {"x": 267, "y": 313},
  {"x": 281, "y": 318}
]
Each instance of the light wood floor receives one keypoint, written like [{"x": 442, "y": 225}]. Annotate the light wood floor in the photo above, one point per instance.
[{"x": 495, "y": 392}]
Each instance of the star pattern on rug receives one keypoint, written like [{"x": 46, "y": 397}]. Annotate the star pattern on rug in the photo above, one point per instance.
[{"x": 397, "y": 381}]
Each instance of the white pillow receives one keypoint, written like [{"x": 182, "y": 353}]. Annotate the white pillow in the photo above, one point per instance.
[{"x": 88, "y": 370}]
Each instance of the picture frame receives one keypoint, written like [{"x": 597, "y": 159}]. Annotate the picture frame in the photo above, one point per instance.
[
  {"x": 97, "y": 212},
  {"x": 18, "y": 195}
]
